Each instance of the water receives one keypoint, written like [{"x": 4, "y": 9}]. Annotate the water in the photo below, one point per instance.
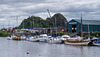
[{"x": 11, "y": 48}]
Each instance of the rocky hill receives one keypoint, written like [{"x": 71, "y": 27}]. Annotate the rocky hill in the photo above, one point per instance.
[{"x": 57, "y": 20}]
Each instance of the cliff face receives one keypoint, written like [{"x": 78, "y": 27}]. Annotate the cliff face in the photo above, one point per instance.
[{"x": 57, "y": 20}]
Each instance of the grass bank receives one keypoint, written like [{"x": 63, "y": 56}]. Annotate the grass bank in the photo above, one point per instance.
[{"x": 4, "y": 33}]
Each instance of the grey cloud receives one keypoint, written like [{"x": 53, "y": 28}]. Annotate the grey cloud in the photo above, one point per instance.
[{"x": 70, "y": 9}]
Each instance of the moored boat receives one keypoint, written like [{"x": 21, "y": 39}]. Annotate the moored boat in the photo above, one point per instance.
[
  {"x": 23, "y": 37},
  {"x": 15, "y": 37},
  {"x": 33, "y": 39},
  {"x": 64, "y": 37},
  {"x": 54, "y": 40},
  {"x": 76, "y": 41},
  {"x": 43, "y": 37},
  {"x": 9, "y": 38},
  {"x": 95, "y": 41}
]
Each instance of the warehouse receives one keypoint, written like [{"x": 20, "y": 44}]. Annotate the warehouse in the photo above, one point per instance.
[{"x": 74, "y": 25}]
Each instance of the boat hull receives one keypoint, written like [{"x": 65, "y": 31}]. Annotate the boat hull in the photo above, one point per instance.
[
  {"x": 96, "y": 44},
  {"x": 42, "y": 39},
  {"x": 76, "y": 42},
  {"x": 16, "y": 38},
  {"x": 33, "y": 40},
  {"x": 54, "y": 41}
]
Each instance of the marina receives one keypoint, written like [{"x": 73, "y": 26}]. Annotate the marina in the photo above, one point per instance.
[
  {"x": 13, "y": 48},
  {"x": 49, "y": 28}
]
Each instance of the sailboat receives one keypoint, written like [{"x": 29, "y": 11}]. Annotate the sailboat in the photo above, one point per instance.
[{"x": 77, "y": 40}]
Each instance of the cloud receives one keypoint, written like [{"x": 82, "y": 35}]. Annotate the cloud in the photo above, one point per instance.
[{"x": 9, "y": 9}]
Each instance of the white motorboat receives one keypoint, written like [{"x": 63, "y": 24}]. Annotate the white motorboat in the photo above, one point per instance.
[
  {"x": 23, "y": 37},
  {"x": 54, "y": 40},
  {"x": 43, "y": 37},
  {"x": 9, "y": 38},
  {"x": 33, "y": 39},
  {"x": 64, "y": 37}
]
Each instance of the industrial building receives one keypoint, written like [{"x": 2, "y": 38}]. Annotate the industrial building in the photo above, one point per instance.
[{"x": 74, "y": 25}]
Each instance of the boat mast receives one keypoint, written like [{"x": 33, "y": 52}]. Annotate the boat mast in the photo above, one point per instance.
[
  {"x": 55, "y": 26},
  {"x": 33, "y": 22},
  {"x": 3, "y": 24},
  {"x": 88, "y": 30},
  {"x": 50, "y": 18},
  {"x": 9, "y": 23},
  {"x": 81, "y": 27},
  {"x": 17, "y": 20}
]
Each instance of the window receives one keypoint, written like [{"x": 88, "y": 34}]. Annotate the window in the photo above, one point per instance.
[
  {"x": 92, "y": 28},
  {"x": 85, "y": 28},
  {"x": 96, "y": 28}
]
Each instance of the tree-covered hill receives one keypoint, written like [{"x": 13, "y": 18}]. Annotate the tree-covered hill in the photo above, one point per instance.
[{"x": 38, "y": 22}]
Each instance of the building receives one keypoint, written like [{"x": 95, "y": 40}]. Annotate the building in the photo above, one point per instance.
[{"x": 74, "y": 26}]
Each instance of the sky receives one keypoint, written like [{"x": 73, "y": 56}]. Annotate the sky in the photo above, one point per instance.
[{"x": 12, "y": 12}]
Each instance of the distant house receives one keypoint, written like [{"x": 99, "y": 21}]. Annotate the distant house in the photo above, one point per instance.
[{"x": 74, "y": 26}]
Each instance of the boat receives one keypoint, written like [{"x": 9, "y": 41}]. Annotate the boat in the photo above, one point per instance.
[
  {"x": 33, "y": 39},
  {"x": 64, "y": 37},
  {"x": 17, "y": 38},
  {"x": 13, "y": 37},
  {"x": 9, "y": 38},
  {"x": 23, "y": 37},
  {"x": 43, "y": 37},
  {"x": 28, "y": 37},
  {"x": 54, "y": 40},
  {"x": 95, "y": 41},
  {"x": 77, "y": 40}
]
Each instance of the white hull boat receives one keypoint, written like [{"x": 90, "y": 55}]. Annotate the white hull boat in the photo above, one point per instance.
[
  {"x": 33, "y": 39},
  {"x": 23, "y": 37},
  {"x": 43, "y": 38},
  {"x": 54, "y": 40},
  {"x": 9, "y": 38}
]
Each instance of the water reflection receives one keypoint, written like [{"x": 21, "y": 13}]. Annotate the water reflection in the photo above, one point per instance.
[{"x": 11, "y": 48}]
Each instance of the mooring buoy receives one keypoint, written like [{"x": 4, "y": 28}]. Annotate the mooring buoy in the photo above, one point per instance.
[{"x": 27, "y": 52}]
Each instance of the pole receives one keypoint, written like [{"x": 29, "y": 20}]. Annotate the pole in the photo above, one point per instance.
[
  {"x": 9, "y": 22},
  {"x": 17, "y": 20},
  {"x": 88, "y": 30},
  {"x": 50, "y": 18},
  {"x": 3, "y": 24},
  {"x": 55, "y": 26},
  {"x": 81, "y": 27},
  {"x": 23, "y": 24},
  {"x": 33, "y": 22}
]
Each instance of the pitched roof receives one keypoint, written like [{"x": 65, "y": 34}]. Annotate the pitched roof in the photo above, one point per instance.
[{"x": 90, "y": 22}]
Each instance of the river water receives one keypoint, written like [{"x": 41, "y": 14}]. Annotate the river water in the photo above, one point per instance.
[{"x": 12, "y": 48}]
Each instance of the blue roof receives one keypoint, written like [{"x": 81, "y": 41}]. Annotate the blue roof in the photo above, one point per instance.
[{"x": 90, "y": 22}]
